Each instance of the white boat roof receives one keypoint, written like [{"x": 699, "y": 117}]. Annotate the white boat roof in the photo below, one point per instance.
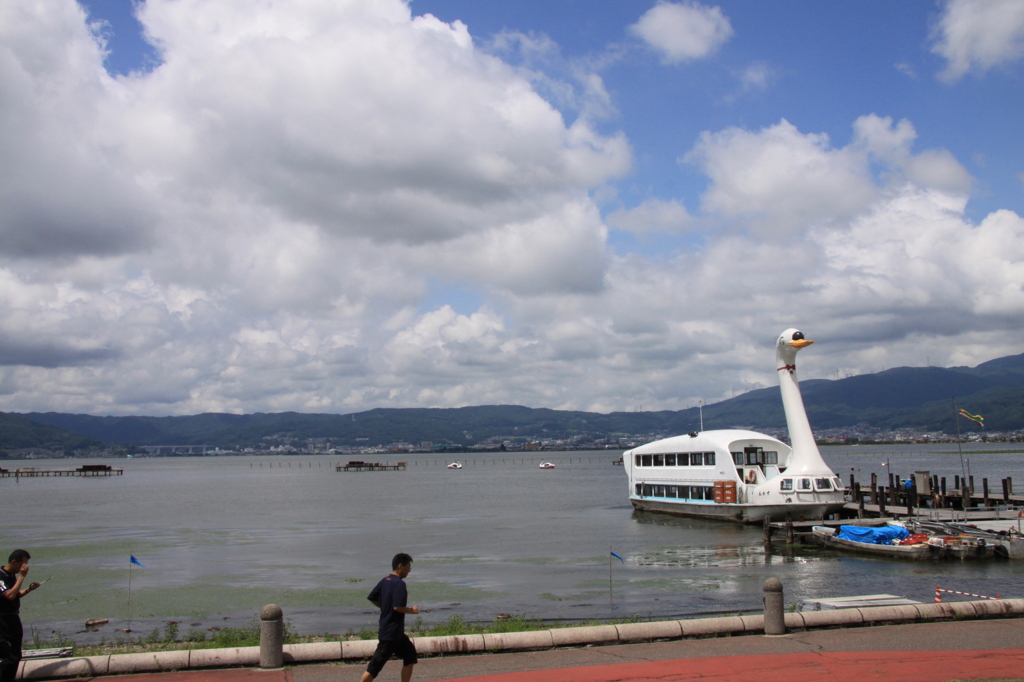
[{"x": 720, "y": 439}]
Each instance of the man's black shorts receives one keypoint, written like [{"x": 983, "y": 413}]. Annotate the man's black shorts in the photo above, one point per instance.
[{"x": 403, "y": 648}]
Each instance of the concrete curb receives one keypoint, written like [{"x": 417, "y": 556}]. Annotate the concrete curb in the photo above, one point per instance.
[{"x": 95, "y": 666}]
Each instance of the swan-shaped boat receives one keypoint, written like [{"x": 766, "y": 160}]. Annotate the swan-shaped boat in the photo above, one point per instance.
[
  {"x": 547, "y": 465},
  {"x": 740, "y": 475},
  {"x": 455, "y": 465}
]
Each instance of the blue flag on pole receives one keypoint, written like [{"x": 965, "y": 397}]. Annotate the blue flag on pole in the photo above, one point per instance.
[
  {"x": 618, "y": 557},
  {"x": 136, "y": 561}
]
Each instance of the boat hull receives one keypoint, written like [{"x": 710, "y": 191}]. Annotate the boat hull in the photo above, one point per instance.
[
  {"x": 741, "y": 513},
  {"x": 908, "y": 552}
]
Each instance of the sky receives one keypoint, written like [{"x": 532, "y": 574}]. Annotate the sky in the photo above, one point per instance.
[{"x": 336, "y": 205}]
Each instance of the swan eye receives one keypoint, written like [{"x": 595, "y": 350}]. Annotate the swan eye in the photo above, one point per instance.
[{"x": 798, "y": 336}]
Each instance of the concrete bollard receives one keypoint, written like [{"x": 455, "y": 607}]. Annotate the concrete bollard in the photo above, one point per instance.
[
  {"x": 271, "y": 636},
  {"x": 774, "y": 606}
]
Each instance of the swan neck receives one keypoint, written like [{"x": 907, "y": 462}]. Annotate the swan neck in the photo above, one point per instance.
[{"x": 806, "y": 457}]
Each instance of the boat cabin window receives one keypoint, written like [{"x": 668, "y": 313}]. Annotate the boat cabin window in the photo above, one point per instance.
[
  {"x": 823, "y": 484},
  {"x": 709, "y": 459},
  {"x": 637, "y": 460},
  {"x": 759, "y": 456},
  {"x": 803, "y": 484},
  {"x": 838, "y": 483},
  {"x": 737, "y": 458},
  {"x": 659, "y": 460},
  {"x": 786, "y": 485},
  {"x": 670, "y": 460},
  {"x": 681, "y": 492},
  {"x": 696, "y": 459},
  {"x": 645, "y": 460}
]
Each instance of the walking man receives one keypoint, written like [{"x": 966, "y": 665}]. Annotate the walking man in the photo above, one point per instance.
[
  {"x": 12, "y": 576},
  {"x": 390, "y": 596}
]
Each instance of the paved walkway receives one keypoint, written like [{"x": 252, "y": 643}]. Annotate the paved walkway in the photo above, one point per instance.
[{"x": 985, "y": 649}]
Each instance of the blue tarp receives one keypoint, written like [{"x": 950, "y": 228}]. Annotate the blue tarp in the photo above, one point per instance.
[{"x": 875, "y": 536}]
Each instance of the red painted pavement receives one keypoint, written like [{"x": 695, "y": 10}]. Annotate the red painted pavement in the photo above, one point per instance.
[
  {"x": 930, "y": 666},
  {"x": 842, "y": 666}
]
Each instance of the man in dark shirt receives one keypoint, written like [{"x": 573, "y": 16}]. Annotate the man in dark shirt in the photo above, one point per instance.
[
  {"x": 390, "y": 596},
  {"x": 12, "y": 576}
]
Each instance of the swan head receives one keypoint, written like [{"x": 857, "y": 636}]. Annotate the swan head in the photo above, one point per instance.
[{"x": 790, "y": 341}]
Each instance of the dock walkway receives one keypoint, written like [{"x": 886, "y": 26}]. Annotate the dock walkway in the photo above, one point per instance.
[
  {"x": 371, "y": 466},
  {"x": 87, "y": 470}
]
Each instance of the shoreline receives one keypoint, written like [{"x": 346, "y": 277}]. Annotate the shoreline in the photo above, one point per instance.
[{"x": 626, "y": 633}]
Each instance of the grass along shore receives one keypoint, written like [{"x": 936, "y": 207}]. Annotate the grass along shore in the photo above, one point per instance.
[{"x": 230, "y": 638}]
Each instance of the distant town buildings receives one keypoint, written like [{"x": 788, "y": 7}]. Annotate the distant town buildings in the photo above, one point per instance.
[{"x": 285, "y": 445}]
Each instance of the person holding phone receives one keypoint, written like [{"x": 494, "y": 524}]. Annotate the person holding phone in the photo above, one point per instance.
[{"x": 12, "y": 577}]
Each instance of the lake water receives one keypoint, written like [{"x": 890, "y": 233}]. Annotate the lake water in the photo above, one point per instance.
[{"x": 221, "y": 537}]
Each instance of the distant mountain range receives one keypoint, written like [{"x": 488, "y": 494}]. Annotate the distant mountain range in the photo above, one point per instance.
[{"x": 904, "y": 397}]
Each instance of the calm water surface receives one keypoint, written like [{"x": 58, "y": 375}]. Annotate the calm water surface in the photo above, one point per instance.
[{"x": 220, "y": 537}]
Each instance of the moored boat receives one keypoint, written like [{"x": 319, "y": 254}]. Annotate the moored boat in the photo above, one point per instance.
[
  {"x": 898, "y": 542},
  {"x": 917, "y": 551},
  {"x": 740, "y": 475},
  {"x": 547, "y": 465},
  {"x": 455, "y": 465}
]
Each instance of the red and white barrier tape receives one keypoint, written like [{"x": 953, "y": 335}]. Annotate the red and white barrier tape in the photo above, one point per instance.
[{"x": 938, "y": 596}]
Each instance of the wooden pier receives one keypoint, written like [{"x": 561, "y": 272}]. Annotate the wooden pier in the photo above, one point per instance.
[
  {"x": 87, "y": 470},
  {"x": 927, "y": 499},
  {"x": 371, "y": 466},
  {"x": 930, "y": 496}
]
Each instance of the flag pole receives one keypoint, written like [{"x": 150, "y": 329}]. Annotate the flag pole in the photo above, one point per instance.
[
  {"x": 959, "y": 446},
  {"x": 129, "y": 590},
  {"x": 611, "y": 597}
]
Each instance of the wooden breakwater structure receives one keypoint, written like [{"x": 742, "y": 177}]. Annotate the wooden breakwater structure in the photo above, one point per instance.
[
  {"x": 87, "y": 470},
  {"x": 928, "y": 495},
  {"x": 927, "y": 498},
  {"x": 357, "y": 465}
]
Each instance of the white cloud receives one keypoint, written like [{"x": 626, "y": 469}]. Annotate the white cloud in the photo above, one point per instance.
[
  {"x": 907, "y": 69},
  {"x": 915, "y": 257},
  {"x": 891, "y": 145},
  {"x": 262, "y": 220},
  {"x": 238, "y": 227},
  {"x": 683, "y": 31},
  {"x": 652, "y": 216},
  {"x": 67, "y": 190},
  {"x": 757, "y": 77},
  {"x": 781, "y": 181},
  {"x": 978, "y": 35}
]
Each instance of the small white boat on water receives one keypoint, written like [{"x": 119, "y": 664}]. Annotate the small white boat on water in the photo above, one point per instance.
[
  {"x": 547, "y": 465},
  {"x": 740, "y": 475},
  {"x": 455, "y": 465}
]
